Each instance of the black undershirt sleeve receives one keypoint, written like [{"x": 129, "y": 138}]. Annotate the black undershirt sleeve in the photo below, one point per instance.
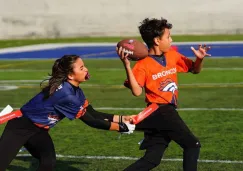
[
  {"x": 95, "y": 119},
  {"x": 99, "y": 115}
]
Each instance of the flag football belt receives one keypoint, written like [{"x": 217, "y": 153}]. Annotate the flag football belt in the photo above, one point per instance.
[
  {"x": 8, "y": 116},
  {"x": 145, "y": 113},
  {"x": 148, "y": 111}
]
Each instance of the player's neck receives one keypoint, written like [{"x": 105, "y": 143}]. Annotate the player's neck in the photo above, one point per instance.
[
  {"x": 73, "y": 83},
  {"x": 155, "y": 51}
]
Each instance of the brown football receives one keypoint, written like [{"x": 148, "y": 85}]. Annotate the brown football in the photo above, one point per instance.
[{"x": 136, "y": 50}]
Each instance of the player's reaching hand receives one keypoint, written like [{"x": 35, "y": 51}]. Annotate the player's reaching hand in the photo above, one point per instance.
[
  {"x": 123, "y": 56},
  {"x": 128, "y": 118},
  {"x": 202, "y": 51},
  {"x": 133, "y": 85},
  {"x": 126, "y": 127}
]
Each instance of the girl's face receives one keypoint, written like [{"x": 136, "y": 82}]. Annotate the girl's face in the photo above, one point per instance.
[{"x": 79, "y": 74}]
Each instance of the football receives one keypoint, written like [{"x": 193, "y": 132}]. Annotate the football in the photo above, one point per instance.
[{"x": 135, "y": 49}]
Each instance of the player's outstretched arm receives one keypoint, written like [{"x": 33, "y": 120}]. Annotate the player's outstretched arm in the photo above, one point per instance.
[
  {"x": 99, "y": 115},
  {"x": 88, "y": 119},
  {"x": 200, "y": 54},
  {"x": 105, "y": 116}
]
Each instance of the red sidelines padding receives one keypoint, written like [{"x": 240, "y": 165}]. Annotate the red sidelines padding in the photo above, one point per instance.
[
  {"x": 145, "y": 113},
  {"x": 10, "y": 116}
]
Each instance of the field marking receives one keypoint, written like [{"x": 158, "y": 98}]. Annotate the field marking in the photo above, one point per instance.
[
  {"x": 93, "y": 85},
  {"x": 134, "y": 158},
  {"x": 103, "y": 69},
  {"x": 43, "y": 46},
  {"x": 56, "y": 46},
  {"x": 35, "y": 84},
  {"x": 28, "y": 86},
  {"x": 20, "y": 81},
  {"x": 223, "y": 69},
  {"x": 179, "y": 109},
  {"x": 25, "y": 70},
  {"x": 32, "y": 86},
  {"x": 9, "y": 87},
  {"x": 20, "y": 63},
  {"x": 207, "y": 69}
]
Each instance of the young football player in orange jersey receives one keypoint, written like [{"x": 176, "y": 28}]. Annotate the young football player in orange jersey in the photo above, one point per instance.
[{"x": 157, "y": 75}]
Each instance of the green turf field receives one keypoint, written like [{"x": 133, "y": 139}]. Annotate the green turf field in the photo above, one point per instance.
[{"x": 219, "y": 85}]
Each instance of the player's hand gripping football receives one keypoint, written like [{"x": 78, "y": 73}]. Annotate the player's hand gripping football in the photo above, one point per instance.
[
  {"x": 123, "y": 56},
  {"x": 126, "y": 127},
  {"x": 202, "y": 51}
]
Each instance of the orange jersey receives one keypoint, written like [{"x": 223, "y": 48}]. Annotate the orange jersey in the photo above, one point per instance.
[{"x": 159, "y": 77}]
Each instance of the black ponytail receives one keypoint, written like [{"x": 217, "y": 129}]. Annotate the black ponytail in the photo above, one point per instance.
[{"x": 60, "y": 71}]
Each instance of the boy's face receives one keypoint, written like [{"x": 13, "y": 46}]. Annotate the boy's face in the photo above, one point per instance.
[{"x": 164, "y": 42}]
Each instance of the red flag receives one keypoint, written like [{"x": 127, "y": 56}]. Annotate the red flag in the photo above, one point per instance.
[
  {"x": 9, "y": 116},
  {"x": 145, "y": 113}
]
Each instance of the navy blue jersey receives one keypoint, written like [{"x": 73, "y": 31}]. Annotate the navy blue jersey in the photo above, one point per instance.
[{"x": 67, "y": 101}]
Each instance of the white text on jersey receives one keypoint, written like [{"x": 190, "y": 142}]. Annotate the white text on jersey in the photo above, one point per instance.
[{"x": 164, "y": 73}]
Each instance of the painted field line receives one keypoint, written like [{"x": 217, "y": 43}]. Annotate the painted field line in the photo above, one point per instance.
[
  {"x": 223, "y": 69},
  {"x": 97, "y": 85},
  {"x": 179, "y": 109},
  {"x": 64, "y": 45},
  {"x": 181, "y": 86},
  {"x": 20, "y": 63},
  {"x": 31, "y": 86},
  {"x": 36, "y": 84},
  {"x": 25, "y": 70},
  {"x": 206, "y": 69},
  {"x": 133, "y": 158},
  {"x": 20, "y": 81},
  {"x": 112, "y": 69}
]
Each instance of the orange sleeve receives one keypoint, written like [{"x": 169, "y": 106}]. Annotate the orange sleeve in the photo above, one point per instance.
[
  {"x": 184, "y": 64},
  {"x": 139, "y": 74}
]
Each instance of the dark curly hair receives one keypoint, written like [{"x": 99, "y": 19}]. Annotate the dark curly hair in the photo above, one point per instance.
[
  {"x": 151, "y": 28},
  {"x": 60, "y": 71}
]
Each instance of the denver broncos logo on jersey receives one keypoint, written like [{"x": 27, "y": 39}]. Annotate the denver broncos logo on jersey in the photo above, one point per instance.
[{"x": 169, "y": 86}]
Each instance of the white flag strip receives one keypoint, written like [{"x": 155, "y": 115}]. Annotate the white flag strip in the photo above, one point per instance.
[{"x": 6, "y": 110}]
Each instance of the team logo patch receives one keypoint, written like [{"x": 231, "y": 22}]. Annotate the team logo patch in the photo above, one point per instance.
[
  {"x": 169, "y": 86},
  {"x": 53, "y": 119}
]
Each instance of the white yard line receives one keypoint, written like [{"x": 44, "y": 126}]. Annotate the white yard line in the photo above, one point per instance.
[
  {"x": 210, "y": 69},
  {"x": 95, "y": 85},
  {"x": 25, "y": 70},
  {"x": 14, "y": 84},
  {"x": 211, "y": 84},
  {"x": 223, "y": 69},
  {"x": 133, "y": 158},
  {"x": 180, "y": 109},
  {"x": 20, "y": 81},
  {"x": 113, "y": 69}
]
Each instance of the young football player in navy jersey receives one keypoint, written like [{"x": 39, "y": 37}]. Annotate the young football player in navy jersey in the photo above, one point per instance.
[
  {"x": 61, "y": 98},
  {"x": 157, "y": 74}
]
